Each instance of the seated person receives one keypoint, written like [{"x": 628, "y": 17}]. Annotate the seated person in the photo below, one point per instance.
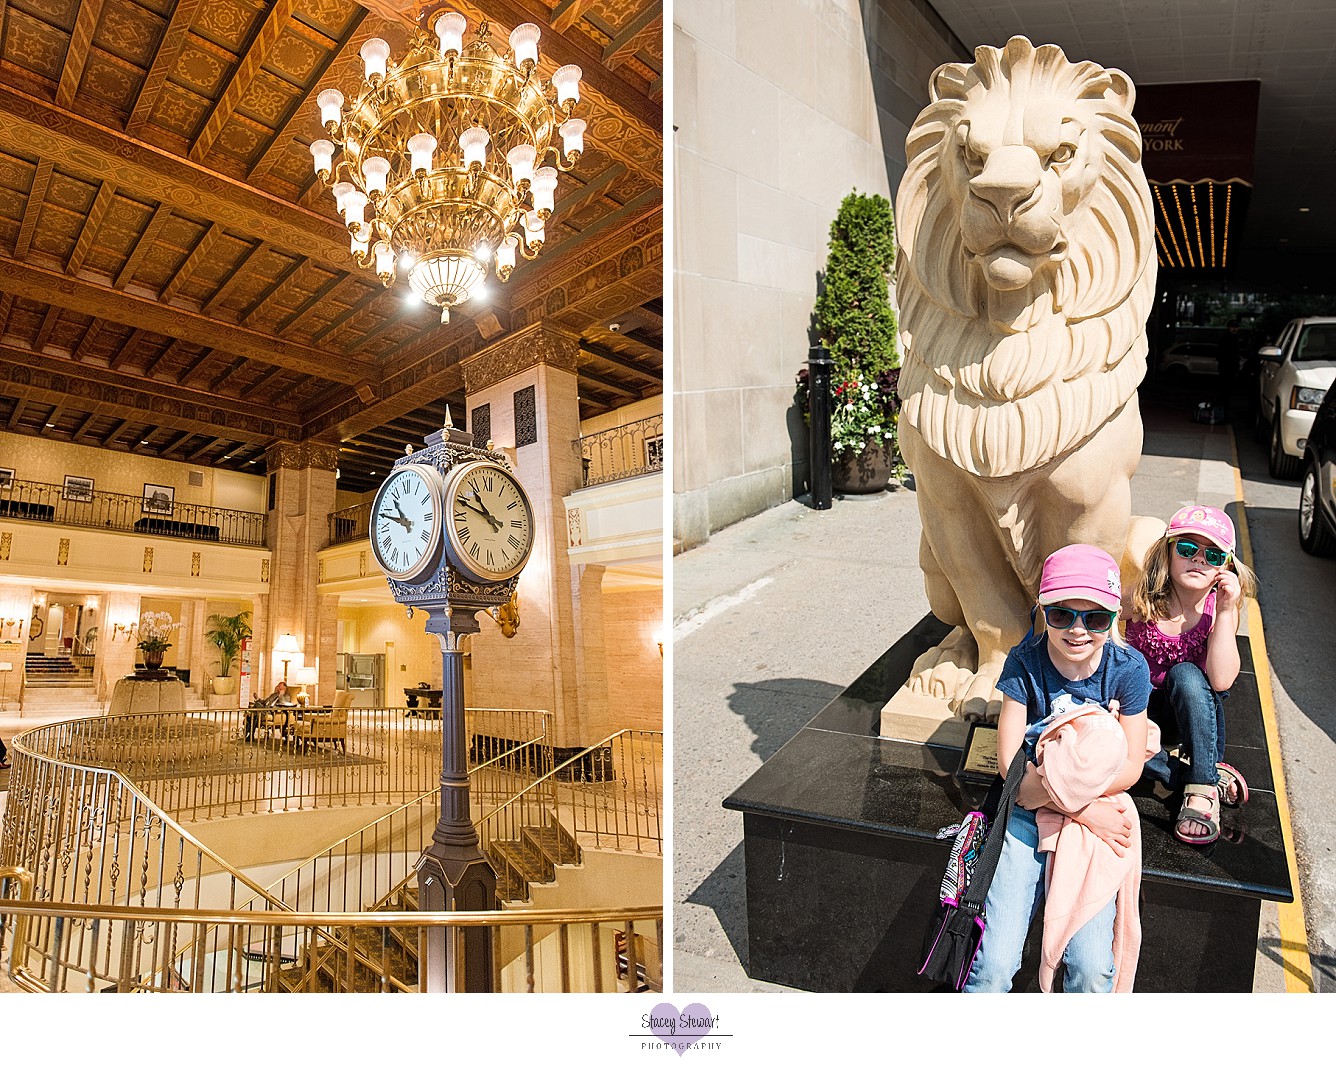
[{"x": 279, "y": 698}]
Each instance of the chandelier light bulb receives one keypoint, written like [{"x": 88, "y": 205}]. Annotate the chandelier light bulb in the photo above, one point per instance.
[
  {"x": 354, "y": 209},
  {"x": 407, "y": 260},
  {"x": 450, "y": 32},
  {"x": 521, "y": 160},
  {"x": 360, "y": 246},
  {"x": 375, "y": 170},
  {"x": 567, "y": 81},
  {"x": 384, "y": 261},
  {"x": 340, "y": 192},
  {"x": 375, "y": 54},
  {"x": 524, "y": 44},
  {"x": 483, "y": 252},
  {"x": 322, "y": 157},
  {"x": 420, "y": 148},
  {"x": 572, "y": 139},
  {"x": 533, "y": 230},
  {"x": 474, "y": 144},
  {"x": 505, "y": 257},
  {"x": 544, "y": 191},
  {"x": 331, "y": 108}
]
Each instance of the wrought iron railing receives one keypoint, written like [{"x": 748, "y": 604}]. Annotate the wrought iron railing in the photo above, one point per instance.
[
  {"x": 35, "y": 501},
  {"x": 200, "y": 765},
  {"x": 160, "y": 949},
  {"x": 349, "y": 524},
  {"x": 629, "y": 450},
  {"x": 608, "y": 796}
]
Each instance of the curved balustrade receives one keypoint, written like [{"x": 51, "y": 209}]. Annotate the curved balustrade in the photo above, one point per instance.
[
  {"x": 629, "y": 450},
  {"x": 36, "y": 501}
]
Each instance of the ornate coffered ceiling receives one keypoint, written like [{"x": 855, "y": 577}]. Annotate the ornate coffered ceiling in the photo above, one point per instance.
[{"x": 175, "y": 282}]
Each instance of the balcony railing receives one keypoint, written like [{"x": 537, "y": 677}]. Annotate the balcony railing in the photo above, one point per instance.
[
  {"x": 349, "y": 524},
  {"x": 35, "y": 501},
  {"x": 629, "y": 450}
]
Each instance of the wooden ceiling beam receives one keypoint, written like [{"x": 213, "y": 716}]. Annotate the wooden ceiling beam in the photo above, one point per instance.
[
  {"x": 6, "y": 304},
  {"x": 317, "y": 296},
  {"x": 232, "y": 370},
  {"x": 183, "y": 378},
  {"x": 76, "y": 56},
  {"x": 83, "y": 428},
  {"x": 171, "y": 348},
  {"x": 89, "y": 338},
  {"x": 207, "y": 448},
  {"x": 96, "y": 300},
  {"x": 590, "y": 192},
  {"x": 69, "y": 140},
  {"x": 607, "y": 382},
  {"x": 20, "y": 403},
  {"x": 127, "y": 349},
  {"x": 613, "y": 358},
  {"x": 114, "y": 434},
  {"x": 203, "y": 248},
  {"x": 344, "y": 55},
  {"x": 176, "y": 442},
  {"x": 106, "y": 194},
  {"x": 164, "y": 60},
  {"x": 630, "y": 31},
  {"x": 41, "y": 179},
  {"x": 53, "y": 418},
  {"x": 233, "y": 279},
  {"x": 48, "y": 324},
  {"x": 567, "y": 13},
  {"x": 142, "y": 245},
  {"x": 243, "y": 74},
  {"x": 343, "y": 318},
  {"x": 274, "y": 288},
  {"x": 259, "y": 385}
]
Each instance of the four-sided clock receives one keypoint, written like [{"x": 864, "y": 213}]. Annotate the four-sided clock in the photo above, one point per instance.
[
  {"x": 406, "y": 523},
  {"x": 489, "y": 525}
]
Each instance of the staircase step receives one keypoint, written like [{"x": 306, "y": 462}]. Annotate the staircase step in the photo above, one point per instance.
[
  {"x": 554, "y": 842},
  {"x": 527, "y": 861}
]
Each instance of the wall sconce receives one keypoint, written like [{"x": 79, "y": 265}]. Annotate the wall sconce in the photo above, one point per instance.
[
  {"x": 12, "y": 624},
  {"x": 658, "y": 639},
  {"x": 119, "y": 628},
  {"x": 287, "y": 650}
]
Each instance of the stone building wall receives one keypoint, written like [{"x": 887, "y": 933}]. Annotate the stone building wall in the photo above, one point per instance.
[{"x": 780, "y": 110}]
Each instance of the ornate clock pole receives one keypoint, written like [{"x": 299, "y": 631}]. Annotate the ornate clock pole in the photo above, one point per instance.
[{"x": 452, "y": 528}]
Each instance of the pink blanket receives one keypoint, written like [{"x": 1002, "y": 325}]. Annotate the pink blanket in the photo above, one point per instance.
[{"x": 1079, "y": 755}]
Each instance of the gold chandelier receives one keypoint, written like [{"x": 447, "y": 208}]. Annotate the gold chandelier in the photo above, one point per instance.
[{"x": 450, "y": 152}]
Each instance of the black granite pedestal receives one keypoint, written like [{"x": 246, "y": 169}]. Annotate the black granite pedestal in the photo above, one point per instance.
[{"x": 842, "y": 867}]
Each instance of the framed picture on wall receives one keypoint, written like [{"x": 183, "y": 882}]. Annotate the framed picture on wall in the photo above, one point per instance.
[
  {"x": 159, "y": 499},
  {"x": 79, "y": 489},
  {"x": 654, "y": 452},
  {"x": 6, "y": 478}
]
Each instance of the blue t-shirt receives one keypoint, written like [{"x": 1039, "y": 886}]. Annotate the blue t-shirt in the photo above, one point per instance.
[{"x": 1030, "y": 677}]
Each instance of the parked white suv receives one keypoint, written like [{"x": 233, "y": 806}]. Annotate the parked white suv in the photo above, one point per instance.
[{"x": 1295, "y": 375}]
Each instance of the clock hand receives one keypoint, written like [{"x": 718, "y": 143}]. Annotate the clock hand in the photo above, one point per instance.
[
  {"x": 401, "y": 519},
  {"x": 496, "y": 525}
]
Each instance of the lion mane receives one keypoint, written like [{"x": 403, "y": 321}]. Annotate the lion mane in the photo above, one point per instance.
[{"x": 1002, "y": 379}]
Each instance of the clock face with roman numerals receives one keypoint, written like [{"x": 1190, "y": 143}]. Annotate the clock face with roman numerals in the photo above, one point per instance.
[
  {"x": 488, "y": 522},
  {"x": 406, "y": 523}
]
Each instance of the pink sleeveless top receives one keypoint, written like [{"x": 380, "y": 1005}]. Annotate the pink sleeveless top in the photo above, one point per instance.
[{"x": 1162, "y": 652}]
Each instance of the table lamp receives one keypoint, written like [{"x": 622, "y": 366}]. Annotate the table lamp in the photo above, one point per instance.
[{"x": 305, "y": 676}]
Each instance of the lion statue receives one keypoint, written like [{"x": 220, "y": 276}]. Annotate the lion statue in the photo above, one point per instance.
[{"x": 1025, "y": 275}]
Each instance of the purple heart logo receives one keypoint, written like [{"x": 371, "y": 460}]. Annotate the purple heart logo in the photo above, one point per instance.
[{"x": 679, "y": 1030}]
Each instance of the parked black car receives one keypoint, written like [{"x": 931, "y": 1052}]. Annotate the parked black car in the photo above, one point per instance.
[{"x": 1317, "y": 493}]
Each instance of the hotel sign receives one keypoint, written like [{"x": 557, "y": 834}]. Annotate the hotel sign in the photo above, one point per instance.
[{"x": 1191, "y": 131}]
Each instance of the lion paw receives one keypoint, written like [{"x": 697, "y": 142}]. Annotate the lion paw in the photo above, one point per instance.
[
  {"x": 946, "y": 669},
  {"x": 980, "y": 701}
]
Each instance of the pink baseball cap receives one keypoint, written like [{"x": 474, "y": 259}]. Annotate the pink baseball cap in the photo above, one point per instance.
[
  {"x": 1206, "y": 522},
  {"x": 1081, "y": 572}
]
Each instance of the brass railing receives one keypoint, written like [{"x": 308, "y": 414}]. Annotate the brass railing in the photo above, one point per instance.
[
  {"x": 349, "y": 524},
  {"x": 200, "y": 765},
  {"x": 148, "y": 948},
  {"x": 608, "y": 796},
  {"x": 35, "y": 501},
  {"x": 629, "y": 450}
]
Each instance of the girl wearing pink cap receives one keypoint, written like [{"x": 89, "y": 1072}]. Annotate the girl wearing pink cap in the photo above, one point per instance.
[
  {"x": 1184, "y": 618},
  {"x": 1063, "y": 663}
]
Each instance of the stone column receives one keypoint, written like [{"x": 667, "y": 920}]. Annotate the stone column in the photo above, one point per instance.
[
  {"x": 15, "y": 618},
  {"x": 116, "y": 648},
  {"x": 527, "y": 385},
  {"x": 303, "y": 484},
  {"x": 591, "y": 652}
]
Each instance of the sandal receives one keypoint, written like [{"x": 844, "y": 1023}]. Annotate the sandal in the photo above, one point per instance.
[
  {"x": 1188, "y": 815},
  {"x": 1232, "y": 786}
]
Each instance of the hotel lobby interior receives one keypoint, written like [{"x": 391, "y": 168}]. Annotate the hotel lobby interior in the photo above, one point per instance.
[{"x": 221, "y": 328}]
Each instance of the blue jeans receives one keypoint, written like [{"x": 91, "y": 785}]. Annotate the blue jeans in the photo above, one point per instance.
[
  {"x": 1017, "y": 889},
  {"x": 1187, "y": 710}
]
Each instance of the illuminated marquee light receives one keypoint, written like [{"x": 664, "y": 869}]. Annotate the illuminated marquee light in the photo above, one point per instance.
[
  {"x": 1159, "y": 198},
  {"x": 1175, "y": 231},
  {"x": 1178, "y": 204},
  {"x": 1196, "y": 219},
  {"x": 1210, "y": 202}
]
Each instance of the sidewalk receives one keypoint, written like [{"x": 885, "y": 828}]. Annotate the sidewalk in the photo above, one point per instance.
[{"x": 775, "y": 616}]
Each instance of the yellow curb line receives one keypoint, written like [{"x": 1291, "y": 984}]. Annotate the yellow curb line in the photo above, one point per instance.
[{"x": 1294, "y": 961}]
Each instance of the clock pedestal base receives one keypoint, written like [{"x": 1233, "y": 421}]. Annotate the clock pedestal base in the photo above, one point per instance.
[{"x": 452, "y": 872}]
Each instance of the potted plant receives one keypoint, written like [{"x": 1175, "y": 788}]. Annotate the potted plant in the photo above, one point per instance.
[
  {"x": 854, "y": 319},
  {"x": 228, "y": 632},
  {"x": 155, "y": 627}
]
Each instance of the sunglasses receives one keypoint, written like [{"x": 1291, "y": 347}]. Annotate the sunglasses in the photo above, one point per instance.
[
  {"x": 1187, "y": 549},
  {"x": 1064, "y": 618}
]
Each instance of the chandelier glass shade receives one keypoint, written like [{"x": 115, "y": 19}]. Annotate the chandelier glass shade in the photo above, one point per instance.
[{"x": 447, "y": 163}]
